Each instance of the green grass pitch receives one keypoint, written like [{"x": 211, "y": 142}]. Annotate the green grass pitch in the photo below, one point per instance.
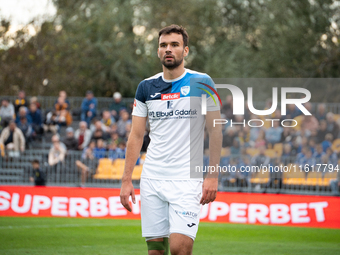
[{"x": 107, "y": 236}]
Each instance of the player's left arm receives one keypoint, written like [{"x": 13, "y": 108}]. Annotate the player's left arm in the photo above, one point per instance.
[{"x": 210, "y": 183}]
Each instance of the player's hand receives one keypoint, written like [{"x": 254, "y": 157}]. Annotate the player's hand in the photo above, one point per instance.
[
  {"x": 126, "y": 191},
  {"x": 209, "y": 187}
]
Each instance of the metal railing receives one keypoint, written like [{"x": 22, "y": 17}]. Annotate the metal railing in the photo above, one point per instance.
[{"x": 16, "y": 170}]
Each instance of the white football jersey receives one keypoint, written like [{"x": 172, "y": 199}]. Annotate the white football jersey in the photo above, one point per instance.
[{"x": 176, "y": 123}]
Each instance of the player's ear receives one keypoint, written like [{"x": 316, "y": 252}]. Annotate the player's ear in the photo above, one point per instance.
[
  {"x": 158, "y": 53},
  {"x": 186, "y": 51}
]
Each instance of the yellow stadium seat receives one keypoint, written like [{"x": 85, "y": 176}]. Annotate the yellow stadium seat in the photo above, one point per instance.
[
  {"x": 299, "y": 120},
  {"x": 327, "y": 178},
  {"x": 336, "y": 145},
  {"x": 278, "y": 147},
  {"x": 294, "y": 176},
  {"x": 252, "y": 151},
  {"x": 104, "y": 169},
  {"x": 260, "y": 177},
  {"x": 270, "y": 153}
]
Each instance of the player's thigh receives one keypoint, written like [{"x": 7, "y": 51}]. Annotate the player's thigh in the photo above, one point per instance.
[
  {"x": 185, "y": 207},
  {"x": 181, "y": 244},
  {"x": 154, "y": 211}
]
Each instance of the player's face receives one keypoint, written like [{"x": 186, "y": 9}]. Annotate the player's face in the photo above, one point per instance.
[{"x": 171, "y": 50}]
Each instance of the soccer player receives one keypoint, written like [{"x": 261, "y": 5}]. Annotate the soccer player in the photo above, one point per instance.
[{"x": 170, "y": 199}]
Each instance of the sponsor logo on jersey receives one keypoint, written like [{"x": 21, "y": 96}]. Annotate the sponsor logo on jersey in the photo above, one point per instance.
[
  {"x": 154, "y": 95},
  {"x": 191, "y": 112},
  {"x": 191, "y": 225},
  {"x": 135, "y": 103},
  {"x": 185, "y": 90},
  {"x": 171, "y": 96},
  {"x": 169, "y": 104}
]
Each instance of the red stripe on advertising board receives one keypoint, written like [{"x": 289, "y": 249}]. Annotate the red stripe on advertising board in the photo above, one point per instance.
[{"x": 266, "y": 209}]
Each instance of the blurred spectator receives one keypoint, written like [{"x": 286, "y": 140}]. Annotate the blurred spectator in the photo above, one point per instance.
[
  {"x": 260, "y": 141},
  {"x": 335, "y": 185},
  {"x": 274, "y": 133},
  {"x": 35, "y": 115},
  {"x": 121, "y": 124},
  {"x": 261, "y": 159},
  {"x": 312, "y": 144},
  {"x": 287, "y": 156},
  {"x": 253, "y": 134},
  {"x": 38, "y": 176},
  {"x": 292, "y": 111},
  {"x": 83, "y": 135},
  {"x": 306, "y": 157},
  {"x": 321, "y": 112},
  {"x": 88, "y": 107},
  {"x": 63, "y": 95},
  {"x": 128, "y": 131},
  {"x": 34, "y": 100},
  {"x": 20, "y": 101},
  {"x": 100, "y": 150},
  {"x": 321, "y": 133},
  {"x": 51, "y": 123},
  {"x": 117, "y": 105},
  {"x": 70, "y": 141},
  {"x": 332, "y": 158},
  {"x": 228, "y": 137},
  {"x": 98, "y": 131},
  {"x": 310, "y": 123},
  {"x": 244, "y": 137},
  {"x": 26, "y": 129},
  {"x": 332, "y": 126},
  {"x": 64, "y": 117},
  {"x": 235, "y": 149},
  {"x": 107, "y": 120},
  {"x": 227, "y": 108},
  {"x": 287, "y": 134},
  {"x": 57, "y": 153},
  {"x": 88, "y": 163},
  {"x": 318, "y": 154},
  {"x": 23, "y": 113},
  {"x": 6, "y": 112},
  {"x": 121, "y": 149},
  {"x": 327, "y": 142},
  {"x": 12, "y": 138}
]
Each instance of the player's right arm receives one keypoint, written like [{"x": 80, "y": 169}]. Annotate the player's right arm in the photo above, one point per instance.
[{"x": 134, "y": 146}]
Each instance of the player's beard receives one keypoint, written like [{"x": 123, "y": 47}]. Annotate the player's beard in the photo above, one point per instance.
[{"x": 172, "y": 64}]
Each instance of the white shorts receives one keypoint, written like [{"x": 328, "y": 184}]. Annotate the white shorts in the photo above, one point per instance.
[{"x": 170, "y": 206}]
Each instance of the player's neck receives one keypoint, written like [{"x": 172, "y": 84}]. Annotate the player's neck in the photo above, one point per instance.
[{"x": 174, "y": 73}]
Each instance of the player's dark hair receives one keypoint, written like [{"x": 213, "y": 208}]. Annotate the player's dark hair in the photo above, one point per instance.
[{"x": 175, "y": 29}]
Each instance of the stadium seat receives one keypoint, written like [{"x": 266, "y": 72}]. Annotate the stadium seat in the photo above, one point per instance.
[
  {"x": 104, "y": 169},
  {"x": 299, "y": 120},
  {"x": 336, "y": 145},
  {"x": 278, "y": 148},
  {"x": 327, "y": 178},
  {"x": 270, "y": 153},
  {"x": 261, "y": 177},
  {"x": 108, "y": 169},
  {"x": 137, "y": 171},
  {"x": 294, "y": 176},
  {"x": 252, "y": 151},
  {"x": 313, "y": 179}
]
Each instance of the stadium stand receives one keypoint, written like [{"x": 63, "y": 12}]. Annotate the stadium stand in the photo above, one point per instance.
[{"x": 16, "y": 167}]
